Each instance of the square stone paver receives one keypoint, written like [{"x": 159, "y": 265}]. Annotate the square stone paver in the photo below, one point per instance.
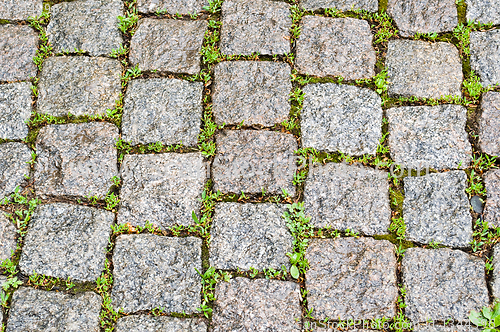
[
  {"x": 88, "y": 25},
  {"x": 163, "y": 189},
  {"x": 252, "y": 161},
  {"x": 429, "y": 136},
  {"x": 39, "y": 310},
  {"x": 255, "y": 26},
  {"x": 162, "y": 110},
  {"x": 15, "y": 110},
  {"x": 492, "y": 205},
  {"x": 145, "y": 323},
  {"x": 335, "y": 47},
  {"x": 495, "y": 282},
  {"x": 436, "y": 208},
  {"x": 168, "y": 45},
  {"x": 76, "y": 159},
  {"x": 489, "y": 123},
  {"x": 172, "y": 6},
  {"x": 18, "y": 10},
  {"x": 79, "y": 85},
  {"x": 255, "y": 92},
  {"x": 424, "y": 70},
  {"x": 351, "y": 278},
  {"x": 14, "y": 158},
  {"x": 344, "y": 5},
  {"x": 249, "y": 235},
  {"x": 341, "y": 118},
  {"x": 157, "y": 271},
  {"x": 66, "y": 240},
  {"x": 8, "y": 238},
  {"x": 443, "y": 284},
  {"x": 483, "y": 11},
  {"x": 258, "y": 305},
  {"x": 18, "y": 45},
  {"x": 484, "y": 56},
  {"x": 351, "y": 197}
]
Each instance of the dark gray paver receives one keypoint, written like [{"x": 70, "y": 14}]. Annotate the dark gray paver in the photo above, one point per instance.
[
  {"x": 492, "y": 206},
  {"x": 251, "y": 91},
  {"x": 484, "y": 56},
  {"x": 20, "y": 9},
  {"x": 344, "y": 5},
  {"x": 15, "y": 110},
  {"x": 13, "y": 166},
  {"x": 156, "y": 271},
  {"x": 145, "y": 323},
  {"x": 258, "y": 305},
  {"x": 495, "y": 280},
  {"x": 8, "y": 237},
  {"x": 18, "y": 45},
  {"x": 483, "y": 11},
  {"x": 171, "y": 6},
  {"x": 489, "y": 136}
]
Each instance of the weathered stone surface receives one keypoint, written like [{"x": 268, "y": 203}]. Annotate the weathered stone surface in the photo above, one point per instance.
[
  {"x": 39, "y": 310},
  {"x": 348, "y": 197},
  {"x": 252, "y": 161},
  {"x": 351, "y": 278},
  {"x": 251, "y": 91},
  {"x": 255, "y": 26},
  {"x": 422, "y": 69},
  {"x": 442, "y": 284},
  {"x": 79, "y": 85},
  {"x": 344, "y": 5},
  {"x": 431, "y": 327},
  {"x": 88, "y": 25},
  {"x": 15, "y": 110},
  {"x": 164, "y": 110},
  {"x": 66, "y": 240},
  {"x": 8, "y": 237},
  {"x": 436, "y": 209},
  {"x": 13, "y": 166},
  {"x": 76, "y": 159},
  {"x": 20, "y": 9},
  {"x": 432, "y": 136},
  {"x": 2, "y": 280},
  {"x": 145, "y": 323},
  {"x": 335, "y": 47},
  {"x": 18, "y": 45},
  {"x": 341, "y": 118},
  {"x": 168, "y": 45},
  {"x": 257, "y": 305},
  {"x": 156, "y": 271},
  {"x": 495, "y": 284},
  {"x": 484, "y": 56},
  {"x": 489, "y": 136},
  {"x": 172, "y": 6},
  {"x": 492, "y": 205},
  {"x": 423, "y": 16},
  {"x": 249, "y": 235},
  {"x": 483, "y": 11},
  {"x": 163, "y": 189}
]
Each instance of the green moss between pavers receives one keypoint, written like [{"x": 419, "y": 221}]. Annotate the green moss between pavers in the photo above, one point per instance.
[{"x": 392, "y": 238}]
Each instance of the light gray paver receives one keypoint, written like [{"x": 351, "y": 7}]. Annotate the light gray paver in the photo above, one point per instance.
[
  {"x": 489, "y": 136},
  {"x": 483, "y": 11},
  {"x": 492, "y": 206},
  {"x": 484, "y": 56},
  {"x": 430, "y": 327},
  {"x": 20, "y": 9},
  {"x": 146, "y": 323},
  {"x": 15, "y": 110},
  {"x": 8, "y": 237},
  {"x": 18, "y": 45},
  {"x": 495, "y": 282},
  {"x": 344, "y": 5},
  {"x": 14, "y": 158},
  {"x": 2, "y": 281},
  {"x": 171, "y": 6}
]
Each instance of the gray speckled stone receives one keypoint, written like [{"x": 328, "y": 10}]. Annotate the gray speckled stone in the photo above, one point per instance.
[
  {"x": 436, "y": 209},
  {"x": 145, "y": 323},
  {"x": 168, "y": 45},
  {"x": 341, "y": 118},
  {"x": 422, "y": 69},
  {"x": 18, "y": 45},
  {"x": 489, "y": 136},
  {"x": 344, "y": 5},
  {"x": 88, "y": 25},
  {"x": 2, "y": 280},
  {"x": 66, "y": 240},
  {"x": 38, "y": 310},
  {"x": 495, "y": 282},
  {"x": 156, "y": 271},
  {"x": 249, "y": 235},
  {"x": 430, "y": 327},
  {"x": 335, "y": 47},
  {"x": 76, "y": 159},
  {"x": 257, "y": 305},
  {"x": 172, "y": 6},
  {"x": 19, "y": 9},
  {"x": 15, "y": 110},
  {"x": 492, "y": 205},
  {"x": 251, "y": 26},
  {"x": 251, "y": 160},
  {"x": 163, "y": 189},
  {"x": 351, "y": 197},
  {"x": 484, "y": 56},
  {"x": 13, "y": 166},
  {"x": 79, "y": 85},
  {"x": 251, "y": 91},
  {"x": 484, "y": 11},
  {"x": 8, "y": 237},
  {"x": 164, "y": 110},
  {"x": 442, "y": 284}
]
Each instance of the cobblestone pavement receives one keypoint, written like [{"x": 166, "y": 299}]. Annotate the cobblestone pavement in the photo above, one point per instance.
[{"x": 248, "y": 165}]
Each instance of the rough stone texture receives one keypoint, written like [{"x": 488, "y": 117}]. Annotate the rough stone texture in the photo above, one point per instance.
[
  {"x": 38, "y": 310},
  {"x": 163, "y": 189},
  {"x": 66, "y": 240},
  {"x": 344, "y": 5},
  {"x": 348, "y": 197},
  {"x": 423, "y": 16},
  {"x": 484, "y": 11},
  {"x": 249, "y": 235},
  {"x": 422, "y": 69},
  {"x": 168, "y": 45},
  {"x": 8, "y": 237},
  {"x": 2, "y": 280},
  {"x": 341, "y": 118},
  {"x": 436, "y": 209},
  {"x": 484, "y": 56},
  {"x": 489, "y": 137},
  {"x": 172, "y": 6},
  {"x": 76, "y": 159},
  {"x": 18, "y": 10},
  {"x": 18, "y": 45},
  {"x": 253, "y": 92},
  {"x": 145, "y": 323},
  {"x": 442, "y": 284},
  {"x": 430, "y": 327},
  {"x": 88, "y": 25},
  {"x": 13, "y": 166},
  {"x": 78, "y": 85},
  {"x": 156, "y": 271},
  {"x": 492, "y": 205},
  {"x": 161, "y": 109},
  {"x": 432, "y": 136},
  {"x": 335, "y": 47},
  {"x": 255, "y": 26},
  {"x": 252, "y": 161},
  {"x": 258, "y": 305},
  {"x": 495, "y": 284},
  {"x": 15, "y": 110}
]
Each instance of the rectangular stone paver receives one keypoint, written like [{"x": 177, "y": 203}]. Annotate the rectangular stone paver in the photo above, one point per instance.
[
  {"x": 14, "y": 158},
  {"x": 15, "y": 110},
  {"x": 495, "y": 282},
  {"x": 489, "y": 136},
  {"x": 484, "y": 56},
  {"x": 145, "y": 323},
  {"x": 433, "y": 327},
  {"x": 19, "y": 10},
  {"x": 492, "y": 206},
  {"x": 171, "y": 6},
  {"x": 8, "y": 237},
  {"x": 344, "y": 5},
  {"x": 483, "y": 11},
  {"x": 18, "y": 45}
]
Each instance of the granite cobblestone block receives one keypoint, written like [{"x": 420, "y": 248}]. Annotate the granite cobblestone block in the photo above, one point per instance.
[
  {"x": 18, "y": 46},
  {"x": 492, "y": 206},
  {"x": 8, "y": 237},
  {"x": 146, "y": 323},
  {"x": 484, "y": 56},
  {"x": 14, "y": 158},
  {"x": 18, "y": 10},
  {"x": 15, "y": 110},
  {"x": 489, "y": 136}
]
